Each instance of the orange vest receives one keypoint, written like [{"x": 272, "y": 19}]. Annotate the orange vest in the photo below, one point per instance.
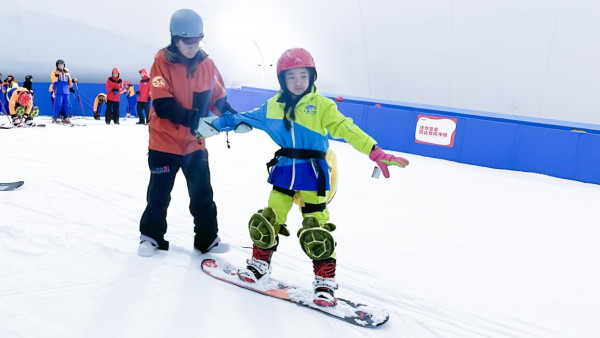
[{"x": 170, "y": 80}]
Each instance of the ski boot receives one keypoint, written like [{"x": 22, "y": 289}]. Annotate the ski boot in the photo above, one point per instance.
[
  {"x": 66, "y": 120},
  {"x": 259, "y": 266},
  {"x": 55, "y": 120},
  {"x": 324, "y": 283},
  {"x": 17, "y": 121}
]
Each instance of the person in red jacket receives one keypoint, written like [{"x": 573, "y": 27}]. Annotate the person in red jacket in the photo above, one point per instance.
[
  {"x": 114, "y": 88},
  {"x": 143, "y": 104},
  {"x": 186, "y": 85}
]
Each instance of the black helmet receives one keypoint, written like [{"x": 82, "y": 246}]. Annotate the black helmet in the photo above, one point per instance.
[
  {"x": 59, "y": 61},
  {"x": 28, "y": 77}
]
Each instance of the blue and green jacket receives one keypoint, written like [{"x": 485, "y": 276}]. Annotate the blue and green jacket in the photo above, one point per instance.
[{"x": 316, "y": 117}]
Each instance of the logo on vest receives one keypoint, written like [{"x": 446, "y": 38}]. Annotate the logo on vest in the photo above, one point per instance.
[{"x": 158, "y": 81}]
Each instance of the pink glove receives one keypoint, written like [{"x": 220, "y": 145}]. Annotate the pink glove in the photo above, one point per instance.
[{"x": 383, "y": 160}]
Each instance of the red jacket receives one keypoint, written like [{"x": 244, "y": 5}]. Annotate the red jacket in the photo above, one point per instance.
[
  {"x": 144, "y": 90},
  {"x": 171, "y": 84},
  {"x": 113, "y": 83}
]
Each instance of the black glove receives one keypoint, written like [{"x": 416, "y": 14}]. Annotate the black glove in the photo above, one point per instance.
[
  {"x": 227, "y": 107},
  {"x": 115, "y": 91},
  {"x": 138, "y": 92},
  {"x": 72, "y": 90}
]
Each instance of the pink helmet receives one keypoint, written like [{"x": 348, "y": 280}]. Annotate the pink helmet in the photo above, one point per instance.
[
  {"x": 116, "y": 70},
  {"x": 295, "y": 58},
  {"x": 127, "y": 83},
  {"x": 24, "y": 99},
  {"x": 144, "y": 72}
]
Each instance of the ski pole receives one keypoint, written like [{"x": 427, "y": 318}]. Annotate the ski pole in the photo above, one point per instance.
[
  {"x": 6, "y": 112},
  {"x": 79, "y": 98}
]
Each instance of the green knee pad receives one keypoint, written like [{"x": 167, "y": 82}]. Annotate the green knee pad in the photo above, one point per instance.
[
  {"x": 264, "y": 228},
  {"x": 34, "y": 112},
  {"x": 316, "y": 239},
  {"x": 20, "y": 111}
]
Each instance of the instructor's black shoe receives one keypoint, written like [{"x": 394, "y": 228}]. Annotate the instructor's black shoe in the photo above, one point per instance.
[{"x": 217, "y": 246}]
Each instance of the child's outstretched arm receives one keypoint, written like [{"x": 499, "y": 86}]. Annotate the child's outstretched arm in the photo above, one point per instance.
[{"x": 340, "y": 126}]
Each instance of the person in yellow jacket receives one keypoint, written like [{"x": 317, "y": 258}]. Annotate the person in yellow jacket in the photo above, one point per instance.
[
  {"x": 99, "y": 101},
  {"x": 20, "y": 106}
]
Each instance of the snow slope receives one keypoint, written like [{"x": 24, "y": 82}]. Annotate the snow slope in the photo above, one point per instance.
[{"x": 451, "y": 250}]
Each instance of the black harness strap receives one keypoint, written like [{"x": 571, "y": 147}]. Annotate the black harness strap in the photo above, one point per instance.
[
  {"x": 284, "y": 191},
  {"x": 303, "y": 154},
  {"x": 309, "y": 207}
]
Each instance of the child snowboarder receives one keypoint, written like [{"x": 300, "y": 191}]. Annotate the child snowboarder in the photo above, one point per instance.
[{"x": 299, "y": 120}]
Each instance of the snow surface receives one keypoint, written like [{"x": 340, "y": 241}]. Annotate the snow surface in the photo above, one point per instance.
[{"x": 450, "y": 250}]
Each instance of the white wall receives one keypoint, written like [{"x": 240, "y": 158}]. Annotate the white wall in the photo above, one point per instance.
[{"x": 536, "y": 58}]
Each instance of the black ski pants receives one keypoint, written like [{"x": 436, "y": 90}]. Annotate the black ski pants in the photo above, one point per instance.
[
  {"x": 163, "y": 169},
  {"x": 141, "y": 107},
  {"x": 112, "y": 112}
]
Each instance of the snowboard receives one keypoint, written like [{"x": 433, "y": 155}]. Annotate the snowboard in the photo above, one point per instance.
[
  {"x": 346, "y": 310},
  {"x": 10, "y": 185}
]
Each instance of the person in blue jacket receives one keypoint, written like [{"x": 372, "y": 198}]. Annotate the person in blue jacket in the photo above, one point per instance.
[
  {"x": 62, "y": 87},
  {"x": 299, "y": 119}
]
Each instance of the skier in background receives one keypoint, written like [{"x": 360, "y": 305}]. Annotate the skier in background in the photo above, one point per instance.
[
  {"x": 9, "y": 82},
  {"x": 114, "y": 88},
  {"x": 28, "y": 84},
  {"x": 99, "y": 101},
  {"x": 186, "y": 85},
  {"x": 143, "y": 101},
  {"x": 21, "y": 107},
  {"x": 3, "y": 100},
  {"x": 61, "y": 85},
  {"x": 131, "y": 98},
  {"x": 299, "y": 119},
  {"x": 8, "y": 85}
]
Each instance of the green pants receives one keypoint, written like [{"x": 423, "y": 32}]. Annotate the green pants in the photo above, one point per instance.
[{"x": 282, "y": 203}]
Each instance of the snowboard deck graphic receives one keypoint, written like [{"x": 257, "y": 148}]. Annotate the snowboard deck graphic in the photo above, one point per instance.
[{"x": 346, "y": 310}]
